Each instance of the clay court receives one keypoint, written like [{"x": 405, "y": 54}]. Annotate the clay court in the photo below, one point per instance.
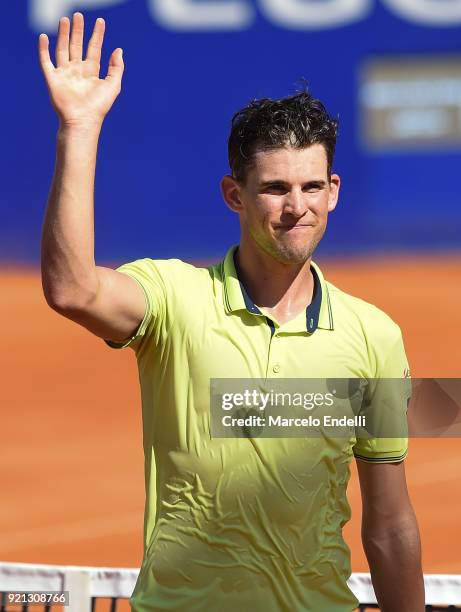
[{"x": 71, "y": 454}]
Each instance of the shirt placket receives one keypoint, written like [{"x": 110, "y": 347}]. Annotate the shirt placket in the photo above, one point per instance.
[{"x": 274, "y": 367}]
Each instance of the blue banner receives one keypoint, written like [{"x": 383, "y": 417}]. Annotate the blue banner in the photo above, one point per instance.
[{"x": 388, "y": 69}]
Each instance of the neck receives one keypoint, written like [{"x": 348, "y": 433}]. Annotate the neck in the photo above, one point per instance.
[{"x": 282, "y": 289}]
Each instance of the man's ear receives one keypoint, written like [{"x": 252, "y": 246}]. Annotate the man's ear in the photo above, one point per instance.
[
  {"x": 230, "y": 190},
  {"x": 335, "y": 183}
]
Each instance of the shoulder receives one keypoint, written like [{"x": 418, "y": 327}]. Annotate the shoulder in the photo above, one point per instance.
[
  {"x": 364, "y": 324},
  {"x": 374, "y": 323},
  {"x": 171, "y": 273}
]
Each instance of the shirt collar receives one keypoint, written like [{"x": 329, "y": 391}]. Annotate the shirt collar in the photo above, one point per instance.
[{"x": 318, "y": 313}]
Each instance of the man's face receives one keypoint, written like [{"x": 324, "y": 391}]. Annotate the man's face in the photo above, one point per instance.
[{"x": 285, "y": 201}]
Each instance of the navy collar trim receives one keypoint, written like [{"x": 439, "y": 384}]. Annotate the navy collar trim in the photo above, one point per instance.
[{"x": 312, "y": 311}]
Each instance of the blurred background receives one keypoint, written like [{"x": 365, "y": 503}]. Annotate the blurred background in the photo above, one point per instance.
[{"x": 390, "y": 71}]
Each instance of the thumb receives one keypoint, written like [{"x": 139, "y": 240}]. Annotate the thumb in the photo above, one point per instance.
[{"x": 116, "y": 67}]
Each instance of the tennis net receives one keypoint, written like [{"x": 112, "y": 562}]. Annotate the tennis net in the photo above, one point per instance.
[{"x": 104, "y": 589}]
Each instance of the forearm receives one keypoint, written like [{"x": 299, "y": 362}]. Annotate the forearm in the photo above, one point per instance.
[
  {"x": 68, "y": 265},
  {"x": 394, "y": 557}
]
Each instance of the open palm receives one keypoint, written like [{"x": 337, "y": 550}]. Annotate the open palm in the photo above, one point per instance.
[{"x": 77, "y": 93}]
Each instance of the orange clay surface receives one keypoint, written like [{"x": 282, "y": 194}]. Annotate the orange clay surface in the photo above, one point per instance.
[{"x": 71, "y": 464}]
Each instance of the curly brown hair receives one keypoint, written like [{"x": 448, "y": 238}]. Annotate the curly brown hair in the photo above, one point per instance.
[{"x": 298, "y": 121}]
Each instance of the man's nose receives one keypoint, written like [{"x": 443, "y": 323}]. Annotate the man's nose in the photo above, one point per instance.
[{"x": 295, "y": 203}]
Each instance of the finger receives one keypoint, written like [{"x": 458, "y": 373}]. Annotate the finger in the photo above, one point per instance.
[
  {"x": 44, "y": 55},
  {"x": 62, "y": 45},
  {"x": 93, "y": 53},
  {"x": 76, "y": 37},
  {"x": 116, "y": 67}
]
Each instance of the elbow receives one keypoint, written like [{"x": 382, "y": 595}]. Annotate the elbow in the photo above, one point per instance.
[
  {"x": 66, "y": 300},
  {"x": 62, "y": 303},
  {"x": 392, "y": 536}
]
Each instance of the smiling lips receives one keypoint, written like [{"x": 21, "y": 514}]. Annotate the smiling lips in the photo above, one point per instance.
[{"x": 293, "y": 227}]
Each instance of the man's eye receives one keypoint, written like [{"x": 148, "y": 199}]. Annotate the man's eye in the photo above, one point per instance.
[
  {"x": 312, "y": 188},
  {"x": 277, "y": 189}
]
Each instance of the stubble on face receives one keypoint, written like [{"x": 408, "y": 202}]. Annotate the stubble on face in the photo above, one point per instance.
[{"x": 286, "y": 250}]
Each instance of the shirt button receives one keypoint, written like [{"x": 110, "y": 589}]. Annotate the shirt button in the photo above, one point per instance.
[{"x": 276, "y": 368}]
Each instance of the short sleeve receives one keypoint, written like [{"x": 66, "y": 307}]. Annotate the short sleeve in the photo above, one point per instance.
[
  {"x": 146, "y": 273},
  {"x": 386, "y": 408}
]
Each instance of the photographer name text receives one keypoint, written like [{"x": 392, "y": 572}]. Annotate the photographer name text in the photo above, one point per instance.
[{"x": 279, "y": 421}]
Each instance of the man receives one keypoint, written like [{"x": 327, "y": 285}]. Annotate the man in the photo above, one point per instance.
[{"x": 235, "y": 523}]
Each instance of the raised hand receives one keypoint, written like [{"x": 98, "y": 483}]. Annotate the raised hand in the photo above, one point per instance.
[{"x": 77, "y": 93}]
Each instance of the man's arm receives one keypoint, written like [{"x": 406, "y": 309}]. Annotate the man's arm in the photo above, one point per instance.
[
  {"x": 390, "y": 537},
  {"x": 108, "y": 303}
]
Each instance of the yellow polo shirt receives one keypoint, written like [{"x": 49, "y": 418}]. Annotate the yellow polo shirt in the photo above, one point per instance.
[{"x": 246, "y": 523}]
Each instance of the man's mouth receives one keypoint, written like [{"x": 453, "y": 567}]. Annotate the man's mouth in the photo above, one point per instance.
[{"x": 298, "y": 226}]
